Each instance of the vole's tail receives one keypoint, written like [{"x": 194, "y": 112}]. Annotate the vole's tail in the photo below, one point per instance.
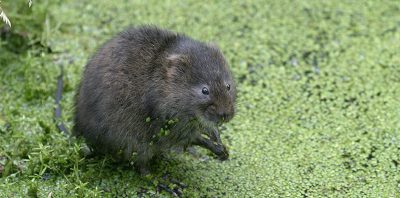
[{"x": 57, "y": 111}]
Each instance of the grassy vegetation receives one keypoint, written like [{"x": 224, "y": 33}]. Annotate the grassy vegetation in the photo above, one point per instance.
[{"x": 318, "y": 102}]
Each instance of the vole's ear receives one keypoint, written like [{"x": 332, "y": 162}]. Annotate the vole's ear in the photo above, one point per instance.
[
  {"x": 174, "y": 64},
  {"x": 177, "y": 59}
]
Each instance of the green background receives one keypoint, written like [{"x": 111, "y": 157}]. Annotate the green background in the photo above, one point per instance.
[{"x": 318, "y": 110}]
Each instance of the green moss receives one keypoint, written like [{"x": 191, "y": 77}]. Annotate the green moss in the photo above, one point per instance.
[
  {"x": 148, "y": 119},
  {"x": 317, "y": 114}
]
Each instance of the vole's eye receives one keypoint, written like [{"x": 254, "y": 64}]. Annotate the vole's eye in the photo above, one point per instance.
[
  {"x": 205, "y": 91},
  {"x": 228, "y": 86}
]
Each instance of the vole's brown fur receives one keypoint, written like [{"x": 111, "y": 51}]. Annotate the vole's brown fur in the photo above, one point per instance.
[{"x": 143, "y": 92}]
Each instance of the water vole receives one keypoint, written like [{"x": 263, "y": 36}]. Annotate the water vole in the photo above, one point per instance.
[{"x": 148, "y": 90}]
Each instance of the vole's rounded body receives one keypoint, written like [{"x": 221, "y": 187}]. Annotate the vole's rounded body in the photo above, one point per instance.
[{"x": 143, "y": 92}]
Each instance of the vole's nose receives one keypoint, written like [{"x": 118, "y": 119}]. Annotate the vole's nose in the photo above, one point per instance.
[{"x": 221, "y": 114}]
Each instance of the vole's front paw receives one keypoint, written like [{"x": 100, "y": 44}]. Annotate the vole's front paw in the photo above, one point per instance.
[
  {"x": 223, "y": 153},
  {"x": 217, "y": 148}
]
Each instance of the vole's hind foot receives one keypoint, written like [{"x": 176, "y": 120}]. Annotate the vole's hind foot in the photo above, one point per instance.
[
  {"x": 165, "y": 183},
  {"x": 174, "y": 181},
  {"x": 142, "y": 192},
  {"x": 87, "y": 151},
  {"x": 176, "y": 192},
  {"x": 175, "y": 187}
]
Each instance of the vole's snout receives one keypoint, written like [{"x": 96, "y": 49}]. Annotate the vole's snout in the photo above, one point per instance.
[
  {"x": 226, "y": 115},
  {"x": 220, "y": 115}
]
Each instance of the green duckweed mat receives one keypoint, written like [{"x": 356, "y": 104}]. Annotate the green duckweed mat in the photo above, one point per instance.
[{"x": 318, "y": 111}]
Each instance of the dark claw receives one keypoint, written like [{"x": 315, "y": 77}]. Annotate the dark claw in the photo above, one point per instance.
[
  {"x": 174, "y": 181},
  {"x": 217, "y": 148},
  {"x": 141, "y": 192},
  {"x": 214, "y": 135},
  {"x": 223, "y": 153},
  {"x": 166, "y": 188},
  {"x": 176, "y": 191},
  {"x": 217, "y": 136}
]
